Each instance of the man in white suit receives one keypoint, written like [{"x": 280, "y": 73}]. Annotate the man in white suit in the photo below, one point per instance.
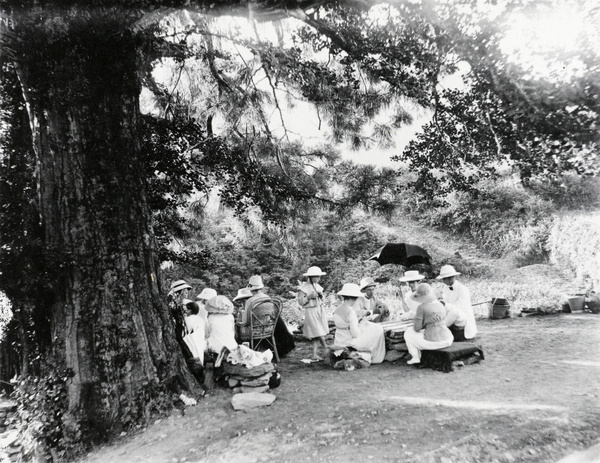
[{"x": 457, "y": 294}]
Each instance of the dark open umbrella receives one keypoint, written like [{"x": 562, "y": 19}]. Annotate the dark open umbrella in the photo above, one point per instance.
[{"x": 401, "y": 254}]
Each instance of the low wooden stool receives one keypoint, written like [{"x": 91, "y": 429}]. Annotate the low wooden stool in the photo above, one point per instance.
[{"x": 442, "y": 359}]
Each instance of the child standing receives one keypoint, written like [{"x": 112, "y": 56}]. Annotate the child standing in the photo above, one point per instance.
[{"x": 310, "y": 298}]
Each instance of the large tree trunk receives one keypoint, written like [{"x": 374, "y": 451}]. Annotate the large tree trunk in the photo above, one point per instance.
[{"x": 110, "y": 326}]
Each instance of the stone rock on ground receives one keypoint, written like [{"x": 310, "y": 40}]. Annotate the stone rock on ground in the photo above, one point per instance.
[
  {"x": 249, "y": 400},
  {"x": 400, "y": 346},
  {"x": 233, "y": 382},
  {"x": 8, "y": 406},
  {"x": 258, "y": 389},
  {"x": 393, "y": 355},
  {"x": 246, "y": 389},
  {"x": 260, "y": 381},
  {"x": 8, "y": 438}
]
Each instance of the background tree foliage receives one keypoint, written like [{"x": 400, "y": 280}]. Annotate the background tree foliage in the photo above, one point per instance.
[{"x": 543, "y": 125}]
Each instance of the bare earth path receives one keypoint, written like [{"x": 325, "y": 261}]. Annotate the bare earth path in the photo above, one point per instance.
[{"x": 536, "y": 398}]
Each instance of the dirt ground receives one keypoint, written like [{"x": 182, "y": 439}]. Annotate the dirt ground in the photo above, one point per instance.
[{"x": 535, "y": 398}]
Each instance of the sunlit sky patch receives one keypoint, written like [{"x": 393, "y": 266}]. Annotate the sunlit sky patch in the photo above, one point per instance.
[{"x": 535, "y": 36}]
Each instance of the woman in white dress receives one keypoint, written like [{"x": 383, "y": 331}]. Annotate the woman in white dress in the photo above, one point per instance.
[
  {"x": 221, "y": 325},
  {"x": 429, "y": 331},
  {"x": 362, "y": 335}
]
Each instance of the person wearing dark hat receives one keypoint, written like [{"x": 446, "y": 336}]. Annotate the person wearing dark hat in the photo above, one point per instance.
[
  {"x": 310, "y": 298},
  {"x": 429, "y": 330},
  {"x": 178, "y": 292},
  {"x": 284, "y": 340},
  {"x": 457, "y": 294},
  {"x": 368, "y": 304}
]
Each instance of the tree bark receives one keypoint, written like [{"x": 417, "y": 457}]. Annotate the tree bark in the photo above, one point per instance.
[{"x": 110, "y": 326}]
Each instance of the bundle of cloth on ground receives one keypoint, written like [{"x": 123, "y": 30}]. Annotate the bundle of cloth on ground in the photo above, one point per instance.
[
  {"x": 446, "y": 358},
  {"x": 349, "y": 359},
  {"x": 243, "y": 355},
  {"x": 244, "y": 370}
]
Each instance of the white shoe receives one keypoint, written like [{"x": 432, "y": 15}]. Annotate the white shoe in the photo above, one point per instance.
[{"x": 413, "y": 360}]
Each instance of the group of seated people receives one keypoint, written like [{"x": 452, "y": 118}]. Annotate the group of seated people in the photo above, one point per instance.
[
  {"x": 436, "y": 323},
  {"x": 212, "y": 321}
]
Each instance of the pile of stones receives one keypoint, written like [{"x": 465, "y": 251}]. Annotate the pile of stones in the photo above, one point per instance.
[
  {"x": 395, "y": 346},
  {"x": 256, "y": 379},
  {"x": 250, "y": 385}
]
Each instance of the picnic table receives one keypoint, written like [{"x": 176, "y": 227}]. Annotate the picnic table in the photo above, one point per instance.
[{"x": 397, "y": 326}]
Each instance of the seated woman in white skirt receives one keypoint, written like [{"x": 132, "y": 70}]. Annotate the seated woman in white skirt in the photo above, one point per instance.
[
  {"x": 363, "y": 335},
  {"x": 429, "y": 331}
]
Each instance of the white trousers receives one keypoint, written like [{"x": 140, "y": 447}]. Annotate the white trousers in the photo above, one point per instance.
[{"x": 416, "y": 342}]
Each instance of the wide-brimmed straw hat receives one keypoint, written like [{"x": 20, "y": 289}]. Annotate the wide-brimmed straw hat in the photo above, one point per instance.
[
  {"x": 350, "y": 290},
  {"x": 219, "y": 304},
  {"x": 243, "y": 293},
  {"x": 447, "y": 271},
  {"x": 206, "y": 294},
  {"x": 424, "y": 293},
  {"x": 314, "y": 272},
  {"x": 412, "y": 275},
  {"x": 178, "y": 285},
  {"x": 255, "y": 282},
  {"x": 366, "y": 283}
]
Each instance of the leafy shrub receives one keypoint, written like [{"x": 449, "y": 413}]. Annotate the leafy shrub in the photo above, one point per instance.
[
  {"x": 528, "y": 244},
  {"x": 569, "y": 191},
  {"x": 42, "y": 405},
  {"x": 505, "y": 220}
]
